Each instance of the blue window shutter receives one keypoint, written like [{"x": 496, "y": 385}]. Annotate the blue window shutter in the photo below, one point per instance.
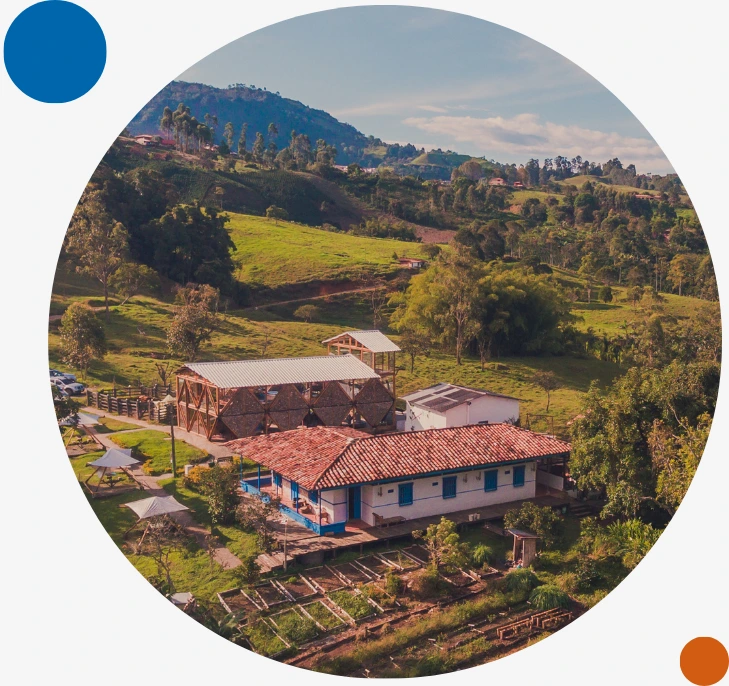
[
  {"x": 449, "y": 486},
  {"x": 519, "y": 475},
  {"x": 405, "y": 494},
  {"x": 294, "y": 490},
  {"x": 314, "y": 497},
  {"x": 491, "y": 480}
]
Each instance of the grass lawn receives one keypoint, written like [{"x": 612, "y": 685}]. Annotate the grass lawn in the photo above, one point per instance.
[
  {"x": 109, "y": 425},
  {"x": 153, "y": 447},
  {"x": 520, "y": 197},
  {"x": 272, "y": 254}
]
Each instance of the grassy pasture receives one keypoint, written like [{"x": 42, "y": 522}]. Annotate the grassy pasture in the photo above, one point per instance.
[{"x": 273, "y": 254}]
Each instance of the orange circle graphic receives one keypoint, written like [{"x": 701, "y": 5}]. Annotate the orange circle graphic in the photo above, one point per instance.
[{"x": 704, "y": 661}]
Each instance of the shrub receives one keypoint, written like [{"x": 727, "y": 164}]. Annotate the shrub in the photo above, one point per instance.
[
  {"x": 548, "y": 597},
  {"x": 393, "y": 583},
  {"x": 426, "y": 583},
  {"x": 520, "y": 580},
  {"x": 482, "y": 555},
  {"x": 543, "y": 521},
  {"x": 586, "y": 573},
  {"x": 247, "y": 573},
  {"x": 568, "y": 582},
  {"x": 295, "y": 628},
  {"x": 193, "y": 479}
]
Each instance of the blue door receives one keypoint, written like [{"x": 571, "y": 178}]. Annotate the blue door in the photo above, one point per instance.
[
  {"x": 490, "y": 480},
  {"x": 294, "y": 491},
  {"x": 405, "y": 494},
  {"x": 519, "y": 476},
  {"x": 355, "y": 502},
  {"x": 449, "y": 486}
]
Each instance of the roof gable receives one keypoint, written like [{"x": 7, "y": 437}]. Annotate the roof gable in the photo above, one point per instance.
[{"x": 372, "y": 339}]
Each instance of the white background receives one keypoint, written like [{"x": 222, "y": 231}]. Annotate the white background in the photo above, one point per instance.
[{"x": 72, "y": 608}]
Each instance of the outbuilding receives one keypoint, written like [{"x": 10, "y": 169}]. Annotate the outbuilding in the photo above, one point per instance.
[{"x": 446, "y": 405}]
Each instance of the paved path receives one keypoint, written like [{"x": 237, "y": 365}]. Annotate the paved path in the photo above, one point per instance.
[
  {"x": 221, "y": 554},
  {"x": 214, "y": 449}
]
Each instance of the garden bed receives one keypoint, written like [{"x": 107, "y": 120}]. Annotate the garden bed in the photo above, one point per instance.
[
  {"x": 324, "y": 578},
  {"x": 324, "y": 615},
  {"x": 269, "y": 594},
  {"x": 236, "y": 601},
  {"x": 374, "y": 564},
  {"x": 264, "y": 640},
  {"x": 353, "y": 604},
  {"x": 458, "y": 578},
  {"x": 417, "y": 552},
  {"x": 298, "y": 587},
  {"x": 294, "y": 627},
  {"x": 398, "y": 558},
  {"x": 354, "y": 574}
]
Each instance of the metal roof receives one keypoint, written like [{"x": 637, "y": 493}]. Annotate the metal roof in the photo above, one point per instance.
[
  {"x": 278, "y": 372},
  {"x": 373, "y": 340},
  {"x": 444, "y": 396}
]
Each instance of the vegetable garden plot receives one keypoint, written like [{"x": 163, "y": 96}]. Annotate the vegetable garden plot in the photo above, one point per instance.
[
  {"x": 298, "y": 587},
  {"x": 398, "y": 558},
  {"x": 324, "y": 615},
  {"x": 458, "y": 578},
  {"x": 294, "y": 627},
  {"x": 235, "y": 601},
  {"x": 353, "y": 604},
  {"x": 267, "y": 595},
  {"x": 418, "y": 552},
  {"x": 264, "y": 640},
  {"x": 354, "y": 574},
  {"x": 324, "y": 578},
  {"x": 374, "y": 564}
]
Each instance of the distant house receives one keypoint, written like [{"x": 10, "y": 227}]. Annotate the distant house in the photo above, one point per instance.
[
  {"x": 497, "y": 182},
  {"x": 645, "y": 196},
  {"x": 369, "y": 170},
  {"x": 445, "y": 405},
  {"x": 411, "y": 262},
  {"x": 518, "y": 184},
  {"x": 341, "y": 167},
  {"x": 147, "y": 139},
  {"x": 329, "y": 477}
]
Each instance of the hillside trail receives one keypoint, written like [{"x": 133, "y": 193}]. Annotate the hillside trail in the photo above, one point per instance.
[{"x": 314, "y": 297}]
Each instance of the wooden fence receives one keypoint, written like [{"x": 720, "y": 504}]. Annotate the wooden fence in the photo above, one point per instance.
[{"x": 137, "y": 406}]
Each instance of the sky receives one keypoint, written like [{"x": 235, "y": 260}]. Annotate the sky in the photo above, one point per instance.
[{"x": 438, "y": 80}]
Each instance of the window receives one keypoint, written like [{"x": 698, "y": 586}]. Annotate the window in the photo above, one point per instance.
[
  {"x": 519, "y": 476},
  {"x": 449, "y": 486},
  {"x": 294, "y": 490},
  {"x": 491, "y": 480},
  {"x": 314, "y": 497},
  {"x": 405, "y": 494}
]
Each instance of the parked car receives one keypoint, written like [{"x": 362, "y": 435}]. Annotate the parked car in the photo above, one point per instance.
[
  {"x": 55, "y": 374},
  {"x": 69, "y": 387}
]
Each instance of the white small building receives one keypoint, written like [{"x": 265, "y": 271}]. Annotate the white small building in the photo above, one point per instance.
[{"x": 445, "y": 405}]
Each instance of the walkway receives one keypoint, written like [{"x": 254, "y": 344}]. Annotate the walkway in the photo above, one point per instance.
[
  {"x": 221, "y": 554},
  {"x": 214, "y": 449}
]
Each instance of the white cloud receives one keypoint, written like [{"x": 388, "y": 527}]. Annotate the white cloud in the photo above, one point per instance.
[
  {"x": 524, "y": 135},
  {"x": 432, "y": 108}
]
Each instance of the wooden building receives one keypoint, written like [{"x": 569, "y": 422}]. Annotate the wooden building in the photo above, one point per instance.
[{"x": 354, "y": 386}]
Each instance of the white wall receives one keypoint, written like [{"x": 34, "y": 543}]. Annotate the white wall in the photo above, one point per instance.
[
  {"x": 484, "y": 409},
  {"x": 335, "y": 503},
  {"x": 428, "y": 498},
  {"x": 550, "y": 480}
]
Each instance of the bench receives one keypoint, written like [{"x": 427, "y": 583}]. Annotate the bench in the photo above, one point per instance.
[{"x": 379, "y": 520}]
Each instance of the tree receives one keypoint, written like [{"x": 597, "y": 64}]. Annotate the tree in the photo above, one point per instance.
[
  {"x": 444, "y": 546},
  {"x": 162, "y": 538},
  {"x": 97, "y": 242},
  {"x": 307, "y": 312},
  {"x": 82, "y": 337},
  {"x": 242, "y": 140},
  {"x": 543, "y": 521},
  {"x": 631, "y": 540},
  {"x": 606, "y": 294},
  {"x": 65, "y": 406},
  {"x": 228, "y": 133},
  {"x": 257, "y": 515},
  {"x": 548, "y": 382},
  {"x": 132, "y": 278},
  {"x": 414, "y": 344},
  {"x": 276, "y": 213},
  {"x": 194, "y": 321},
  {"x": 220, "y": 487},
  {"x": 259, "y": 147}
]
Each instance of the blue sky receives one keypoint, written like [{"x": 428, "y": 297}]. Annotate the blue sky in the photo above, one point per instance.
[{"x": 437, "y": 79}]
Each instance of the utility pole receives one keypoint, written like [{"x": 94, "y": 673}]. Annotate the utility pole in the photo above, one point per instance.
[{"x": 169, "y": 402}]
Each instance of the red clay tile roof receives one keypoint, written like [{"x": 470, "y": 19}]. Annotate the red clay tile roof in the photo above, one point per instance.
[{"x": 329, "y": 457}]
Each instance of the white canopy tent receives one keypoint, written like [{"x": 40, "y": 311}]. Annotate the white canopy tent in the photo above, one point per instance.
[
  {"x": 156, "y": 506},
  {"x": 114, "y": 458}
]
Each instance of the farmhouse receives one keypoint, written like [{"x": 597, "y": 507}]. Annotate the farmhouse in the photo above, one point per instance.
[
  {"x": 497, "y": 182},
  {"x": 353, "y": 385},
  {"x": 411, "y": 263},
  {"x": 330, "y": 478},
  {"x": 445, "y": 405}
]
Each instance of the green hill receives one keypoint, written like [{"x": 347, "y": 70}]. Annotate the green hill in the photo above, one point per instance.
[{"x": 256, "y": 107}]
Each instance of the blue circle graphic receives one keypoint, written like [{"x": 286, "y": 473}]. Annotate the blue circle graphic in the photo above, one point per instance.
[{"x": 55, "y": 51}]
